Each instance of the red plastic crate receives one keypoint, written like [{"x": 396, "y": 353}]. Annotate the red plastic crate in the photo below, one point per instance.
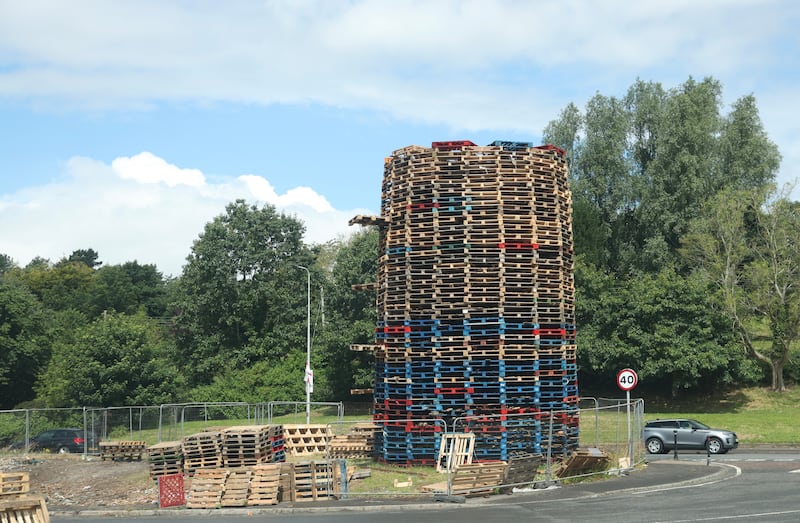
[
  {"x": 450, "y": 146},
  {"x": 549, "y": 147}
]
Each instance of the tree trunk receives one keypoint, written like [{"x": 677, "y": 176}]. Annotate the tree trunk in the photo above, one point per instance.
[{"x": 777, "y": 376}]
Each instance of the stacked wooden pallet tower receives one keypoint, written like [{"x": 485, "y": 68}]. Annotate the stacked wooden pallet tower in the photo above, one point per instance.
[{"x": 475, "y": 301}]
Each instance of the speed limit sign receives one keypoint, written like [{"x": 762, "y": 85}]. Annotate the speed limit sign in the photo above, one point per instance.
[{"x": 627, "y": 379}]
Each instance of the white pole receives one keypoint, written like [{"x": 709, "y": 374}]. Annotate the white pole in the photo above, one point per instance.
[
  {"x": 308, "y": 344},
  {"x": 630, "y": 431}
]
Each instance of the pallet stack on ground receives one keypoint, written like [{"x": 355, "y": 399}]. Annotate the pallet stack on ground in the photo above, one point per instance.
[
  {"x": 358, "y": 442},
  {"x": 263, "y": 484},
  {"x": 165, "y": 459},
  {"x": 475, "y": 299},
  {"x": 249, "y": 444},
  {"x": 202, "y": 451},
  {"x": 122, "y": 450},
  {"x": 305, "y": 440},
  {"x": 206, "y": 488},
  {"x": 266, "y": 485}
]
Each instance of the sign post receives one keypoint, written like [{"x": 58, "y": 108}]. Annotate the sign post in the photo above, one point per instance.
[{"x": 627, "y": 381}]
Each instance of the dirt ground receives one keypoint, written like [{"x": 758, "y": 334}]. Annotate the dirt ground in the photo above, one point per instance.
[{"x": 68, "y": 481}]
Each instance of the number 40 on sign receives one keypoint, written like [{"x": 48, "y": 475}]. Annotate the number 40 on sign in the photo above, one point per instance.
[{"x": 627, "y": 379}]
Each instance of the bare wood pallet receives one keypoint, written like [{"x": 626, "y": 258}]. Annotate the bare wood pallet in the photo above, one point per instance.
[
  {"x": 265, "y": 484},
  {"x": 236, "y": 489},
  {"x": 303, "y": 440},
  {"x": 455, "y": 450},
  {"x": 165, "y": 458},
  {"x": 14, "y": 483},
  {"x": 27, "y": 509},
  {"x": 206, "y": 488},
  {"x": 522, "y": 470},
  {"x": 582, "y": 461},
  {"x": 16, "y": 504},
  {"x": 122, "y": 450},
  {"x": 313, "y": 480},
  {"x": 475, "y": 479}
]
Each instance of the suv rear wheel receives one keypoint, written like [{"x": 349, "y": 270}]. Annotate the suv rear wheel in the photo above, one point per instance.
[{"x": 654, "y": 446}]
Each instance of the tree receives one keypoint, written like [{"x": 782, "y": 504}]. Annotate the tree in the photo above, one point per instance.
[
  {"x": 748, "y": 245},
  {"x": 241, "y": 298},
  {"x": 128, "y": 288},
  {"x": 88, "y": 257},
  {"x": 68, "y": 285},
  {"x": 658, "y": 324},
  {"x": 117, "y": 360},
  {"x": 352, "y": 315},
  {"x": 23, "y": 346},
  {"x": 6, "y": 263}
]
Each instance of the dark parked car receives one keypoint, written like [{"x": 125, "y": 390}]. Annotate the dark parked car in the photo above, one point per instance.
[
  {"x": 660, "y": 436},
  {"x": 62, "y": 441}
]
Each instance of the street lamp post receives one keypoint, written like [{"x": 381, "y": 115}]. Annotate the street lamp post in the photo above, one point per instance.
[{"x": 308, "y": 375}]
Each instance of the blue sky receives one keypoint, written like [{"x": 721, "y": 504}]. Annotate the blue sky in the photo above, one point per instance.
[{"x": 125, "y": 126}]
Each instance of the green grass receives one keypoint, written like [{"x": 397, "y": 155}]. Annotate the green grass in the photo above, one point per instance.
[{"x": 758, "y": 416}]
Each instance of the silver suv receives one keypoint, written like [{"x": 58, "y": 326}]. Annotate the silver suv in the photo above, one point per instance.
[{"x": 659, "y": 436}]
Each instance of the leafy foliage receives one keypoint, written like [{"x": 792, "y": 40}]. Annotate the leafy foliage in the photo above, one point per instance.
[
  {"x": 748, "y": 245},
  {"x": 116, "y": 360},
  {"x": 241, "y": 298},
  {"x": 23, "y": 343}
]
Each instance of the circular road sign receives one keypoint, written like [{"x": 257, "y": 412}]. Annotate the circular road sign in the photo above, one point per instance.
[{"x": 627, "y": 379}]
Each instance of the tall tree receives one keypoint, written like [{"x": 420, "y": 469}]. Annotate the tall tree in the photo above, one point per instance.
[
  {"x": 115, "y": 361},
  {"x": 89, "y": 257},
  {"x": 128, "y": 288},
  {"x": 23, "y": 344},
  {"x": 748, "y": 159},
  {"x": 241, "y": 296},
  {"x": 6, "y": 263},
  {"x": 661, "y": 325},
  {"x": 748, "y": 245},
  {"x": 352, "y": 315},
  {"x": 68, "y": 285}
]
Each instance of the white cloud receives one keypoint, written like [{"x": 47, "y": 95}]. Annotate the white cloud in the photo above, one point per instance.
[
  {"x": 120, "y": 212},
  {"x": 263, "y": 190},
  {"x": 145, "y": 167}
]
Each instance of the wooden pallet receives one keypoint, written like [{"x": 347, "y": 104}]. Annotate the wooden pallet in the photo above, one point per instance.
[
  {"x": 206, "y": 488},
  {"x": 265, "y": 484},
  {"x": 522, "y": 470},
  {"x": 14, "y": 483},
  {"x": 304, "y": 440},
  {"x": 455, "y": 450},
  {"x": 202, "y": 451},
  {"x": 236, "y": 490},
  {"x": 122, "y": 450},
  {"x": 16, "y": 504},
  {"x": 247, "y": 445},
  {"x": 313, "y": 480},
  {"x": 27, "y": 509},
  {"x": 582, "y": 461},
  {"x": 165, "y": 458}
]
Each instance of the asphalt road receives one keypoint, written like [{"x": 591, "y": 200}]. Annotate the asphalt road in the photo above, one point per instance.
[{"x": 752, "y": 486}]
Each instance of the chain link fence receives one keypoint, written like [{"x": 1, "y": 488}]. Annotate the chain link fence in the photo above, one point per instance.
[{"x": 612, "y": 426}]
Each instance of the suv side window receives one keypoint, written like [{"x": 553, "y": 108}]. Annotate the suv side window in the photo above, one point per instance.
[{"x": 664, "y": 424}]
